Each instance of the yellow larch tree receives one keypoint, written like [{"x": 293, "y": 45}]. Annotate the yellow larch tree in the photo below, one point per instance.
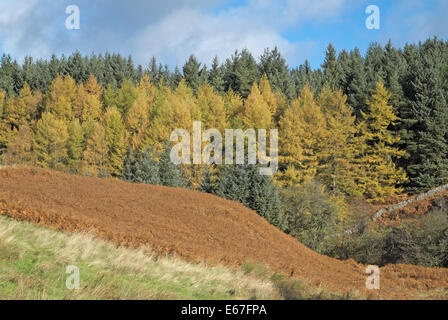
[
  {"x": 378, "y": 176},
  {"x": 302, "y": 137},
  {"x": 50, "y": 141},
  {"x": 88, "y": 104},
  {"x": 336, "y": 166},
  {"x": 268, "y": 95},
  {"x": 115, "y": 140},
  {"x": 138, "y": 119},
  {"x": 62, "y": 97},
  {"x": 256, "y": 114},
  {"x": 96, "y": 153},
  {"x": 234, "y": 107},
  {"x": 211, "y": 105}
]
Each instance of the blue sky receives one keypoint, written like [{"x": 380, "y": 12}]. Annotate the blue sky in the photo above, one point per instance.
[{"x": 171, "y": 30}]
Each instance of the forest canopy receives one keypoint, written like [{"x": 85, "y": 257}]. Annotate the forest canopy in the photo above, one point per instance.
[{"x": 369, "y": 125}]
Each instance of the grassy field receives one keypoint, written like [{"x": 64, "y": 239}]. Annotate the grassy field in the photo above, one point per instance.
[{"x": 33, "y": 262}]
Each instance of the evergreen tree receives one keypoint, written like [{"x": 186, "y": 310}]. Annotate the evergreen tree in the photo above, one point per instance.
[
  {"x": 209, "y": 182},
  {"x": 241, "y": 71},
  {"x": 191, "y": 70},
  {"x": 141, "y": 168},
  {"x": 356, "y": 84},
  {"x": 244, "y": 184},
  {"x": 216, "y": 76},
  {"x": 427, "y": 164},
  {"x": 274, "y": 66},
  {"x": 170, "y": 174},
  {"x": 331, "y": 67}
]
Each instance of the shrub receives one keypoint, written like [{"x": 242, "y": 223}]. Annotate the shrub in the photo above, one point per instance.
[{"x": 311, "y": 216}]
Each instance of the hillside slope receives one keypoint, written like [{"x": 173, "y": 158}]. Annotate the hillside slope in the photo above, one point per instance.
[
  {"x": 193, "y": 225},
  {"x": 34, "y": 261}
]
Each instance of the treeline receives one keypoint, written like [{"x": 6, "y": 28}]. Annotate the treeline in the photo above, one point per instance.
[
  {"x": 361, "y": 125},
  {"x": 85, "y": 129}
]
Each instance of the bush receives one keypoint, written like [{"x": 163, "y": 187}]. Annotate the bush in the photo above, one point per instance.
[
  {"x": 311, "y": 216},
  {"x": 419, "y": 241}
]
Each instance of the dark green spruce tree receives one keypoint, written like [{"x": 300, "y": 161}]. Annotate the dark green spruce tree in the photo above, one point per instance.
[
  {"x": 170, "y": 174},
  {"x": 427, "y": 164}
]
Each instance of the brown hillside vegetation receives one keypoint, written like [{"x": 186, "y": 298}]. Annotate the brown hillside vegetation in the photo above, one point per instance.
[
  {"x": 193, "y": 225},
  {"x": 413, "y": 210}
]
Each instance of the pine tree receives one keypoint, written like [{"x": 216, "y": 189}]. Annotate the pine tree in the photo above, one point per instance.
[
  {"x": 141, "y": 168},
  {"x": 234, "y": 183},
  {"x": 170, "y": 175},
  {"x": 277, "y": 71},
  {"x": 378, "y": 176},
  {"x": 216, "y": 76},
  {"x": 209, "y": 182},
  {"x": 331, "y": 68},
  {"x": 427, "y": 163},
  {"x": 49, "y": 142},
  {"x": 128, "y": 170},
  {"x": 356, "y": 87},
  {"x": 191, "y": 70},
  {"x": 244, "y": 184},
  {"x": 240, "y": 72},
  {"x": 264, "y": 197}
]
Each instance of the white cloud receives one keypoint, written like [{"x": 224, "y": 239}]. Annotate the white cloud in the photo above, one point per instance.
[
  {"x": 297, "y": 11},
  {"x": 188, "y": 31},
  {"x": 170, "y": 30}
]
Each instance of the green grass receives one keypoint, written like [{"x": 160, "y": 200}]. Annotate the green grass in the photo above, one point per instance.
[{"x": 33, "y": 262}]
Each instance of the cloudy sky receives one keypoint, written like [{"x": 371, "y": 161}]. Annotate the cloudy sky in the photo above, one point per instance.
[{"x": 173, "y": 29}]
